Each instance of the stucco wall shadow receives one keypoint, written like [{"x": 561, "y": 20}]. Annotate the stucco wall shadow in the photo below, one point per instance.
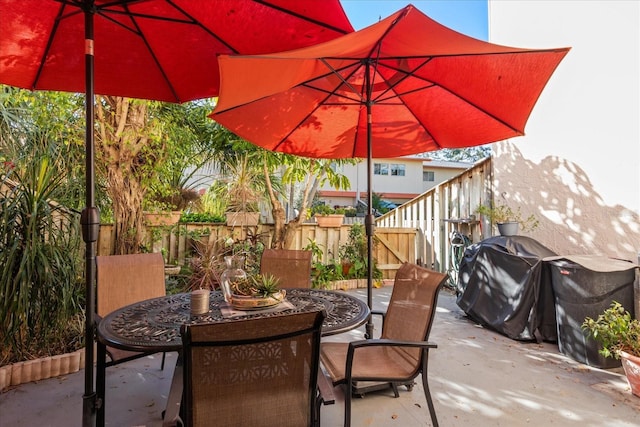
[{"x": 574, "y": 219}]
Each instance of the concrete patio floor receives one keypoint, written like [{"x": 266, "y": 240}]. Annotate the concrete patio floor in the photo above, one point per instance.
[{"x": 477, "y": 378}]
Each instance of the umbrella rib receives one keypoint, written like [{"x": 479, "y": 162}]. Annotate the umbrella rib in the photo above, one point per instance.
[
  {"x": 188, "y": 20},
  {"x": 344, "y": 80},
  {"x": 297, "y": 15},
  {"x": 49, "y": 43},
  {"x": 139, "y": 32},
  {"x": 318, "y": 105}
]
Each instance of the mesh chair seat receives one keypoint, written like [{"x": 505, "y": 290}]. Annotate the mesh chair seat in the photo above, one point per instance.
[{"x": 392, "y": 363}]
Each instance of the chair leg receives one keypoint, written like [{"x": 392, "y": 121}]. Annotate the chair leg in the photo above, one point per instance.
[
  {"x": 427, "y": 394},
  {"x": 347, "y": 403},
  {"x": 164, "y": 356},
  {"x": 394, "y": 386}
]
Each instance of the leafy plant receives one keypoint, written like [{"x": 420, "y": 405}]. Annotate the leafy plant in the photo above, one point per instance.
[
  {"x": 201, "y": 217},
  {"x": 322, "y": 274},
  {"x": 616, "y": 330},
  {"x": 208, "y": 262},
  {"x": 40, "y": 280},
  {"x": 350, "y": 212},
  {"x": 354, "y": 253},
  {"x": 245, "y": 187},
  {"x": 207, "y": 265},
  {"x": 501, "y": 213},
  {"x": 324, "y": 209}
]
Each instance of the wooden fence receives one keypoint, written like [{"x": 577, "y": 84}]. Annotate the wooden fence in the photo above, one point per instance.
[{"x": 395, "y": 245}]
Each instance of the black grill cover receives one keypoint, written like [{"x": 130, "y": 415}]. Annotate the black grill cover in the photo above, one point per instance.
[{"x": 503, "y": 286}]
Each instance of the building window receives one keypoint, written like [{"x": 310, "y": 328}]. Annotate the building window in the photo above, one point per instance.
[
  {"x": 380, "y": 169},
  {"x": 428, "y": 176},
  {"x": 397, "y": 170}
]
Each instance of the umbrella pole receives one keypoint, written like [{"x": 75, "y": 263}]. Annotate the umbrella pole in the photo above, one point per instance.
[
  {"x": 90, "y": 222},
  {"x": 369, "y": 220}
]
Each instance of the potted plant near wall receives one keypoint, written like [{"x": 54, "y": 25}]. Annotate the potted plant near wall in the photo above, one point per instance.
[
  {"x": 159, "y": 214},
  {"x": 509, "y": 221},
  {"x": 353, "y": 253},
  {"x": 619, "y": 335},
  {"x": 326, "y": 216}
]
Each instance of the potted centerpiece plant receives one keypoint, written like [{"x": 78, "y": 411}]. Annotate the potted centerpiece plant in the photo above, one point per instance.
[
  {"x": 508, "y": 220},
  {"x": 619, "y": 335},
  {"x": 255, "y": 292}
]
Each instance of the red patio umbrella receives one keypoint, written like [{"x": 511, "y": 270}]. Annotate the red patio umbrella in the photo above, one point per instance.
[
  {"x": 155, "y": 49},
  {"x": 402, "y": 86}
]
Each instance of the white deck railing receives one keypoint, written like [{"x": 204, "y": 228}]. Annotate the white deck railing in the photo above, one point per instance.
[{"x": 435, "y": 213}]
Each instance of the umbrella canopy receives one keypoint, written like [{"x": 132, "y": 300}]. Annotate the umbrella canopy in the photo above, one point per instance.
[
  {"x": 155, "y": 49},
  {"x": 402, "y": 86}
]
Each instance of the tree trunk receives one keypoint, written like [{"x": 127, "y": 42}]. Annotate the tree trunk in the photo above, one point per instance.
[
  {"x": 124, "y": 147},
  {"x": 127, "y": 199}
]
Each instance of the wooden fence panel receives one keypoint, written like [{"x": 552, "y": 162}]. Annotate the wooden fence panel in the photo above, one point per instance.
[{"x": 397, "y": 245}]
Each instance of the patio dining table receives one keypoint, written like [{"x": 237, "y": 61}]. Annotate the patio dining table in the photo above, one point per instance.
[{"x": 153, "y": 325}]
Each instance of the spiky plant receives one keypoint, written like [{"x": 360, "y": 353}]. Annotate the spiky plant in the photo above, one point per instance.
[{"x": 262, "y": 286}]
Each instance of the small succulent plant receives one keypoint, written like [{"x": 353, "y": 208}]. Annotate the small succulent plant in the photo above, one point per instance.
[{"x": 260, "y": 285}]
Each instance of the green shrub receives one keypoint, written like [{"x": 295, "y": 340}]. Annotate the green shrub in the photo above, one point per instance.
[
  {"x": 202, "y": 217},
  {"x": 41, "y": 285}
]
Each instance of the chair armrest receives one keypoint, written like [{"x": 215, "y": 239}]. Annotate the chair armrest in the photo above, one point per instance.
[{"x": 390, "y": 343}]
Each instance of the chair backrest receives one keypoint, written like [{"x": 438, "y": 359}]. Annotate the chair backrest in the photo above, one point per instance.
[
  {"x": 125, "y": 279},
  {"x": 257, "y": 372},
  {"x": 412, "y": 306},
  {"x": 292, "y": 267}
]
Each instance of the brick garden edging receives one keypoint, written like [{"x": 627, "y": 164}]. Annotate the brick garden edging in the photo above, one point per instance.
[{"x": 41, "y": 369}]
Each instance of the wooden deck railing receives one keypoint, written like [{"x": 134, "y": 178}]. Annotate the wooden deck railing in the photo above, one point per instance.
[{"x": 448, "y": 206}]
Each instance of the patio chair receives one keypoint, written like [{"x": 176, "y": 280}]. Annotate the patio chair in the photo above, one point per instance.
[
  {"x": 123, "y": 280},
  {"x": 292, "y": 267},
  {"x": 256, "y": 372},
  {"x": 402, "y": 352}
]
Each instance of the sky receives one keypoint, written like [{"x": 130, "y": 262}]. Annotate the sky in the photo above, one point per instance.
[{"x": 469, "y": 17}]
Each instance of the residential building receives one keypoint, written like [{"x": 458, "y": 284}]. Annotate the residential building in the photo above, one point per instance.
[{"x": 396, "y": 180}]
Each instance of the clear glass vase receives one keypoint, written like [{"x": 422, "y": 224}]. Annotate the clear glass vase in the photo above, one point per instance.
[{"x": 234, "y": 272}]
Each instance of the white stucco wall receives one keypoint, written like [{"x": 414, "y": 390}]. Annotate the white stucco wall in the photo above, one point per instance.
[
  {"x": 578, "y": 167},
  {"x": 410, "y": 183}
]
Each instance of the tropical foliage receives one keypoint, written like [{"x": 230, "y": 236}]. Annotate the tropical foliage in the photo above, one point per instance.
[{"x": 40, "y": 281}]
